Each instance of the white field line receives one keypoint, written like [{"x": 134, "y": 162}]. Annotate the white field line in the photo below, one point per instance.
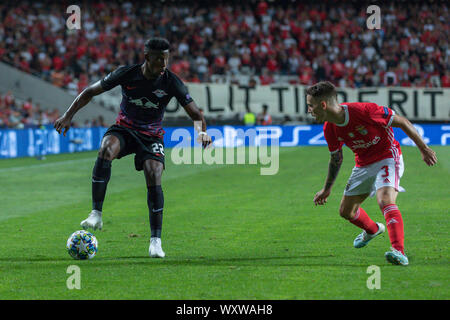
[
  {"x": 68, "y": 162},
  {"x": 45, "y": 165}
]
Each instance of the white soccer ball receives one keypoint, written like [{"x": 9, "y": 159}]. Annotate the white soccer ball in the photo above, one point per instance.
[{"x": 82, "y": 245}]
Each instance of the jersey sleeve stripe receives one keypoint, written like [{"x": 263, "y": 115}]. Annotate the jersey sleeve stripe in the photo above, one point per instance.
[{"x": 391, "y": 119}]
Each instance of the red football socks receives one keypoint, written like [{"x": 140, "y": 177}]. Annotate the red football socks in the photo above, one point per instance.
[
  {"x": 394, "y": 224},
  {"x": 363, "y": 221}
]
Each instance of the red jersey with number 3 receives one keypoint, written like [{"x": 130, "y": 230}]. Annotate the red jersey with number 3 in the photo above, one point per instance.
[{"x": 366, "y": 130}]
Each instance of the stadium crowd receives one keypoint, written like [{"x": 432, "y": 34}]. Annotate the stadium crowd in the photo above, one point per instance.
[
  {"x": 17, "y": 114},
  {"x": 308, "y": 42}
]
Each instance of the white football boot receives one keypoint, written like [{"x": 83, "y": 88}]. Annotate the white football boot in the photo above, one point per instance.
[
  {"x": 363, "y": 238},
  {"x": 94, "y": 221},
  {"x": 155, "y": 250},
  {"x": 396, "y": 257}
]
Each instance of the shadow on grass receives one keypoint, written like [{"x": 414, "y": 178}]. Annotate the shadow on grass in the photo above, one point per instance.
[
  {"x": 231, "y": 262},
  {"x": 36, "y": 259},
  {"x": 250, "y": 261}
]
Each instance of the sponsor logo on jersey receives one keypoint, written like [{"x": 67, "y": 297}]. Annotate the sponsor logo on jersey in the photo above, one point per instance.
[
  {"x": 159, "y": 93},
  {"x": 361, "y": 144},
  {"x": 362, "y": 130},
  {"x": 144, "y": 102},
  {"x": 351, "y": 134}
]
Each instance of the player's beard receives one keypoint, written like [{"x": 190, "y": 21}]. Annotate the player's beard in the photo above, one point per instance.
[{"x": 317, "y": 117}]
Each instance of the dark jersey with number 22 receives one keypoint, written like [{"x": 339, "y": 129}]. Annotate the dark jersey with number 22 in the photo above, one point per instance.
[{"x": 144, "y": 101}]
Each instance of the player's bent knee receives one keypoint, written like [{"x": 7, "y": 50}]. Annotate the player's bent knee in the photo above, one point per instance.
[
  {"x": 386, "y": 196},
  {"x": 110, "y": 148},
  {"x": 153, "y": 176},
  {"x": 384, "y": 202},
  {"x": 153, "y": 173},
  {"x": 108, "y": 153},
  {"x": 346, "y": 213}
]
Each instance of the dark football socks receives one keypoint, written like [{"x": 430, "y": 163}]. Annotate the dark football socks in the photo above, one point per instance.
[
  {"x": 155, "y": 202},
  {"x": 100, "y": 177}
]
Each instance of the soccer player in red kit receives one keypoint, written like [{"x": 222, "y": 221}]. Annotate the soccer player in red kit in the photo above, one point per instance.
[{"x": 366, "y": 128}]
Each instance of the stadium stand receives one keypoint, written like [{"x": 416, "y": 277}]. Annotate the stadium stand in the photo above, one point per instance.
[
  {"x": 262, "y": 42},
  {"x": 304, "y": 42},
  {"x": 16, "y": 113}
]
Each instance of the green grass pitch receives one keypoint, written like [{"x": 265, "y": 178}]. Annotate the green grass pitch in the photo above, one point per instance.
[{"x": 229, "y": 232}]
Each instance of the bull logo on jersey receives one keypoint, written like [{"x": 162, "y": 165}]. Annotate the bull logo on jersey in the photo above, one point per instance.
[
  {"x": 362, "y": 130},
  {"x": 144, "y": 103},
  {"x": 159, "y": 93}
]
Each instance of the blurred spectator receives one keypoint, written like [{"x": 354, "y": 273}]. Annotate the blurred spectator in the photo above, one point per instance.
[
  {"x": 264, "y": 118},
  {"x": 252, "y": 83},
  {"x": 266, "y": 77},
  {"x": 42, "y": 118},
  {"x": 9, "y": 99},
  {"x": 54, "y": 115},
  {"x": 445, "y": 80},
  {"x": 15, "y": 120},
  {"x": 87, "y": 123},
  {"x": 101, "y": 121},
  {"x": 28, "y": 107},
  {"x": 390, "y": 78},
  {"x": 249, "y": 119},
  {"x": 96, "y": 122}
]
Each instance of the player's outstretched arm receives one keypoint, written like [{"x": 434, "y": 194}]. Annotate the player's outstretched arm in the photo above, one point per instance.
[
  {"x": 64, "y": 122},
  {"x": 333, "y": 169},
  {"x": 428, "y": 155},
  {"x": 199, "y": 123}
]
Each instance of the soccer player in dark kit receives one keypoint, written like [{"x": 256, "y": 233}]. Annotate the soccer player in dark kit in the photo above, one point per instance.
[{"x": 146, "y": 90}]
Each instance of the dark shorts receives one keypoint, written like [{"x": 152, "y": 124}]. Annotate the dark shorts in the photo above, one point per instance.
[{"x": 143, "y": 146}]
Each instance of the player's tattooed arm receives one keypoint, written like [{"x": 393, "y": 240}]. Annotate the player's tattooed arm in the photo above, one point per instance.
[{"x": 333, "y": 168}]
